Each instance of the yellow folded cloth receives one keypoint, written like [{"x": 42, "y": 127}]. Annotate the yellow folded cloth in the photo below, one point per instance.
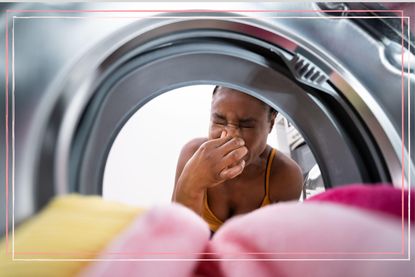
[{"x": 72, "y": 228}]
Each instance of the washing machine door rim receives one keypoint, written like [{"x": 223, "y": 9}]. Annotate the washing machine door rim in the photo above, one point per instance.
[{"x": 276, "y": 50}]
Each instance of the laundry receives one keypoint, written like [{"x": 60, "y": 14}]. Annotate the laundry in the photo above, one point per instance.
[
  {"x": 71, "y": 227},
  {"x": 381, "y": 198},
  {"x": 75, "y": 75},
  {"x": 267, "y": 242},
  {"x": 107, "y": 238}
]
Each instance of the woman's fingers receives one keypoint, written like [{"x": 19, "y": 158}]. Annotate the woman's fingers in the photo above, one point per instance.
[
  {"x": 226, "y": 144},
  {"x": 232, "y": 172},
  {"x": 223, "y": 134},
  {"x": 222, "y": 158},
  {"x": 233, "y": 163},
  {"x": 234, "y": 156},
  {"x": 215, "y": 143},
  {"x": 231, "y": 145}
]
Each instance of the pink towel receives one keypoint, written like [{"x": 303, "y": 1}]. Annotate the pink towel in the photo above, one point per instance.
[
  {"x": 278, "y": 234},
  {"x": 350, "y": 222},
  {"x": 171, "y": 232},
  {"x": 377, "y": 198}
]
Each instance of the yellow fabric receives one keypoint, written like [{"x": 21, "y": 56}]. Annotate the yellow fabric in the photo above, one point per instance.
[
  {"x": 70, "y": 227},
  {"x": 266, "y": 200},
  {"x": 214, "y": 222}
]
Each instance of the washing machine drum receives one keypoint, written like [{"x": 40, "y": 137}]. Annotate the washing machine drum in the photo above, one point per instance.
[{"x": 338, "y": 86}]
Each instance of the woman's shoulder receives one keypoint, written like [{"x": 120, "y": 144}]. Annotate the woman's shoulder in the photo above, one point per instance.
[
  {"x": 194, "y": 144},
  {"x": 186, "y": 153},
  {"x": 287, "y": 176},
  {"x": 191, "y": 147},
  {"x": 283, "y": 161}
]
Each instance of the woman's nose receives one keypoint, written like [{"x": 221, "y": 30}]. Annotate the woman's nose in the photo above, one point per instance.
[{"x": 233, "y": 130}]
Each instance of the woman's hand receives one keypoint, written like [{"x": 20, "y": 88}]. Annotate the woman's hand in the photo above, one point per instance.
[{"x": 214, "y": 162}]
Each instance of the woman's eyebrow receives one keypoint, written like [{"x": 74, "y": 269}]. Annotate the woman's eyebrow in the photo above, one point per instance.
[
  {"x": 248, "y": 120},
  {"x": 242, "y": 120},
  {"x": 219, "y": 116}
]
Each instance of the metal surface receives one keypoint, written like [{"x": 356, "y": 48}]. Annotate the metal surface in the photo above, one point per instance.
[{"x": 74, "y": 83}]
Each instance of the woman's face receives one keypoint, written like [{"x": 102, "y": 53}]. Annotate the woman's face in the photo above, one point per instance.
[{"x": 241, "y": 115}]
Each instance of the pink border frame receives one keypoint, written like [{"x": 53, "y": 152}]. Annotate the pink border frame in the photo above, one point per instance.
[{"x": 190, "y": 11}]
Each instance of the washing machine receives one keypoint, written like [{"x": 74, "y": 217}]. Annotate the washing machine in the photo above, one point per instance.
[{"x": 73, "y": 74}]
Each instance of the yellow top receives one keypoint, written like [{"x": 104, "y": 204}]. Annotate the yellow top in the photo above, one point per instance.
[{"x": 213, "y": 222}]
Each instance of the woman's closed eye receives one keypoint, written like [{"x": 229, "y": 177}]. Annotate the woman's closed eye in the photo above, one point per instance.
[
  {"x": 247, "y": 123},
  {"x": 219, "y": 119},
  {"x": 219, "y": 122},
  {"x": 243, "y": 125},
  {"x": 247, "y": 126}
]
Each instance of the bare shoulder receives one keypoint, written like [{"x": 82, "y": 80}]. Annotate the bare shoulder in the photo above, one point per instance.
[
  {"x": 190, "y": 147},
  {"x": 286, "y": 180},
  {"x": 186, "y": 153}
]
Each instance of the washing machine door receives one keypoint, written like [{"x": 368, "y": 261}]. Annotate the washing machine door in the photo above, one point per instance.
[{"x": 342, "y": 86}]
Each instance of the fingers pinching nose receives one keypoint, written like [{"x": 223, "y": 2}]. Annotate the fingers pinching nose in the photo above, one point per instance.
[
  {"x": 240, "y": 142},
  {"x": 243, "y": 164},
  {"x": 223, "y": 134},
  {"x": 232, "y": 171}
]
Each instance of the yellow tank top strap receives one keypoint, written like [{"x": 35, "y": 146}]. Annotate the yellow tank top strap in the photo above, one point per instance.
[
  {"x": 210, "y": 218},
  {"x": 266, "y": 200}
]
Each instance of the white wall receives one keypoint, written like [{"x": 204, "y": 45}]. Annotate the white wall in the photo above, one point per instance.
[{"x": 141, "y": 165}]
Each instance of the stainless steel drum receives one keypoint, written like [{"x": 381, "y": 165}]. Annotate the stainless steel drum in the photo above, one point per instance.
[{"x": 76, "y": 73}]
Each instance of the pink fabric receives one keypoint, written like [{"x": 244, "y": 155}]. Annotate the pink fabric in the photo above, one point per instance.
[
  {"x": 268, "y": 239},
  {"x": 312, "y": 231},
  {"x": 171, "y": 232},
  {"x": 380, "y": 198},
  {"x": 408, "y": 9}
]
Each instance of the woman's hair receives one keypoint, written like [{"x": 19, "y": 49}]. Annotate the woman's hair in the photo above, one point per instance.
[
  {"x": 215, "y": 89},
  {"x": 271, "y": 109}
]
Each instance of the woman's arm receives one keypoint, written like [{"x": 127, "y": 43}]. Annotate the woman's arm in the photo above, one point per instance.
[
  {"x": 179, "y": 192},
  {"x": 206, "y": 163}
]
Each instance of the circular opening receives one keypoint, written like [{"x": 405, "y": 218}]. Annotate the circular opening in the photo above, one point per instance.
[
  {"x": 141, "y": 164},
  {"x": 299, "y": 85},
  {"x": 326, "y": 120}
]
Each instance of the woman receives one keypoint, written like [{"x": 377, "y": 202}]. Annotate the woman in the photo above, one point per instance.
[{"x": 233, "y": 171}]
